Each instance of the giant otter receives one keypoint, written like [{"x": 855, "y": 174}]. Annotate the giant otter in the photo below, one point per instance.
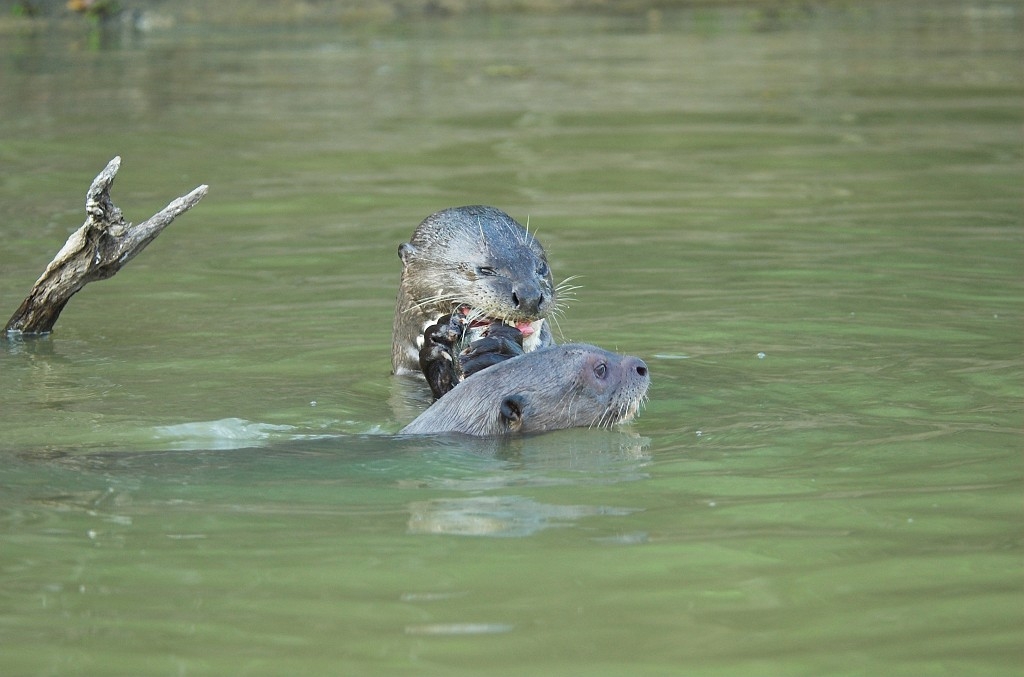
[
  {"x": 478, "y": 258},
  {"x": 566, "y": 386}
]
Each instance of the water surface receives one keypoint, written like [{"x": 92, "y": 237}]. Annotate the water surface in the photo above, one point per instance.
[{"x": 808, "y": 223}]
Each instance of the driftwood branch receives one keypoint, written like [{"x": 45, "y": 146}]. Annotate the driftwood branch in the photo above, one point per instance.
[{"x": 96, "y": 251}]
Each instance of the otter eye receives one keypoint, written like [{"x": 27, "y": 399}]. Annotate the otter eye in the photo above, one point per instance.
[
  {"x": 601, "y": 370},
  {"x": 486, "y": 271}
]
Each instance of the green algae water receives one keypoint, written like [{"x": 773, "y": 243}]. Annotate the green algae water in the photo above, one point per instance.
[{"x": 808, "y": 222}]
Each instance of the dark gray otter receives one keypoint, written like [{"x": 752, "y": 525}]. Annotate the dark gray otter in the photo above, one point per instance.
[
  {"x": 568, "y": 386},
  {"x": 478, "y": 257}
]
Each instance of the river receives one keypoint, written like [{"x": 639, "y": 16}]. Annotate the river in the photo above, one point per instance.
[{"x": 808, "y": 222}]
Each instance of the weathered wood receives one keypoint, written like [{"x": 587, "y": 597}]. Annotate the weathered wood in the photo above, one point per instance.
[{"x": 96, "y": 251}]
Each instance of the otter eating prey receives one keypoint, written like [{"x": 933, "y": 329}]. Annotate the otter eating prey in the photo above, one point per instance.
[
  {"x": 458, "y": 346},
  {"x": 568, "y": 386},
  {"x": 482, "y": 267}
]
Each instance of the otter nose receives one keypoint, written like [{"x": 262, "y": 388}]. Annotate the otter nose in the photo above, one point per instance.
[
  {"x": 637, "y": 366},
  {"x": 528, "y": 299}
]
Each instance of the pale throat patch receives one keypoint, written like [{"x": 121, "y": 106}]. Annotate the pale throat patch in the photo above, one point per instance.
[{"x": 532, "y": 342}]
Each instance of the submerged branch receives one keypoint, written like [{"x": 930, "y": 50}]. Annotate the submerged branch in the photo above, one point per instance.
[{"x": 96, "y": 251}]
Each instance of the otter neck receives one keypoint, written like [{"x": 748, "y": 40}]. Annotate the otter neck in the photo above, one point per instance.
[{"x": 408, "y": 324}]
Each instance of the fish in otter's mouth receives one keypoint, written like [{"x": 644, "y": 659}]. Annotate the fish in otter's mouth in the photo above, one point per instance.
[
  {"x": 464, "y": 342},
  {"x": 471, "y": 325}
]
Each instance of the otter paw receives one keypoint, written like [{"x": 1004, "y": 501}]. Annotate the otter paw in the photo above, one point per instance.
[
  {"x": 437, "y": 356},
  {"x": 501, "y": 342}
]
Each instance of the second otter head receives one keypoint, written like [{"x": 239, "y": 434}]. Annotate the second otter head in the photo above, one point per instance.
[
  {"x": 482, "y": 257},
  {"x": 565, "y": 386}
]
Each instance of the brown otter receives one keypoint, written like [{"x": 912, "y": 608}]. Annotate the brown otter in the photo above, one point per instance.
[
  {"x": 566, "y": 386},
  {"x": 478, "y": 257}
]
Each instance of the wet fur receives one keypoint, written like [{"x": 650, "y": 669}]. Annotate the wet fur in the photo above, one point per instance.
[
  {"x": 549, "y": 389},
  {"x": 447, "y": 262}
]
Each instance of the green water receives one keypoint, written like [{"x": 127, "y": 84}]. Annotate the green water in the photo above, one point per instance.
[{"x": 809, "y": 223}]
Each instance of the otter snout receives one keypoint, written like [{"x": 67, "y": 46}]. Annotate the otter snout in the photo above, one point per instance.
[
  {"x": 635, "y": 374},
  {"x": 634, "y": 365},
  {"x": 529, "y": 299}
]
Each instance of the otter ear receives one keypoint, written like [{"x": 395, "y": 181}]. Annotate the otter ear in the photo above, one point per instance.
[
  {"x": 406, "y": 252},
  {"x": 512, "y": 412}
]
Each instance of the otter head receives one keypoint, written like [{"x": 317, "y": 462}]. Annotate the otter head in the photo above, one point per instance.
[
  {"x": 566, "y": 386},
  {"x": 481, "y": 257},
  {"x": 581, "y": 386}
]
